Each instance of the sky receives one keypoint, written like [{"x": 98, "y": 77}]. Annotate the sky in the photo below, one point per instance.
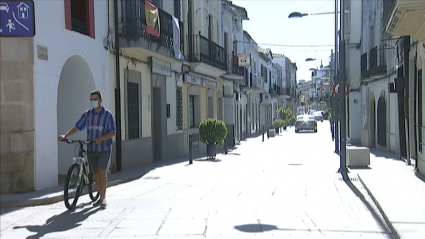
[{"x": 270, "y": 27}]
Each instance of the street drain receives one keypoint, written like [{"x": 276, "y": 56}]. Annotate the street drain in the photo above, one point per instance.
[
  {"x": 348, "y": 179},
  {"x": 152, "y": 178}
]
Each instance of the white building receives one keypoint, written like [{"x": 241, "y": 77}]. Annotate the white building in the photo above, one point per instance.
[
  {"x": 354, "y": 103},
  {"x": 407, "y": 18},
  {"x": 380, "y": 127},
  {"x": 256, "y": 85},
  {"x": 235, "y": 103},
  {"x": 264, "y": 66},
  {"x": 50, "y": 82},
  {"x": 288, "y": 74}
]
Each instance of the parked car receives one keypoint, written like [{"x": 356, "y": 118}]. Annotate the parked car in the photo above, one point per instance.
[
  {"x": 305, "y": 122},
  {"x": 318, "y": 116}
]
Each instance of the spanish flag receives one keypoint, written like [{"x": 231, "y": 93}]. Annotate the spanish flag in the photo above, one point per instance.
[{"x": 152, "y": 19}]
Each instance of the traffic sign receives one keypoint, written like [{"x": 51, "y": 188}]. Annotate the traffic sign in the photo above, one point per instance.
[
  {"x": 17, "y": 18},
  {"x": 335, "y": 89}
]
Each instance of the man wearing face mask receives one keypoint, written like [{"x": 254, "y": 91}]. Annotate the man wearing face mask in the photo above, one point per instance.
[{"x": 100, "y": 125}]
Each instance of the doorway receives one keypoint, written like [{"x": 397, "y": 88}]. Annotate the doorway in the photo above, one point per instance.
[
  {"x": 159, "y": 119},
  {"x": 372, "y": 122},
  {"x": 382, "y": 122}
]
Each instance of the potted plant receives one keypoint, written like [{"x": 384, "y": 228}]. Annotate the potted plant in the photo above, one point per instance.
[
  {"x": 277, "y": 123},
  {"x": 211, "y": 133}
]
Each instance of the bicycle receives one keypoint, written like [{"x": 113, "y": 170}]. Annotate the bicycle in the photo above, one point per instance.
[{"x": 83, "y": 177}]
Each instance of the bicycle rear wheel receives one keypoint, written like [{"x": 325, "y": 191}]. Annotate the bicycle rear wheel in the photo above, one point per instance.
[
  {"x": 93, "y": 190},
  {"x": 72, "y": 184}
]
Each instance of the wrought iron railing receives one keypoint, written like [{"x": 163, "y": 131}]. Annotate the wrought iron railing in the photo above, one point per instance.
[
  {"x": 257, "y": 81},
  {"x": 132, "y": 24},
  {"x": 232, "y": 65},
  {"x": 377, "y": 60},
  {"x": 363, "y": 65},
  {"x": 205, "y": 50}
]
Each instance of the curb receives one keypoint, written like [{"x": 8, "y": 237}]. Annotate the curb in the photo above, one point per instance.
[
  {"x": 387, "y": 221},
  {"x": 57, "y": 197}
]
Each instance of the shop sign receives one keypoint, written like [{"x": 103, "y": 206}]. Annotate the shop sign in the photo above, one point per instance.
[{"x": 160, "y": 67}]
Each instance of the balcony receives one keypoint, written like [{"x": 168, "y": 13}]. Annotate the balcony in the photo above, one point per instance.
[
  {"x": 364, "y": 65},
  {"x": 273, "y": 91},
  {"x": 257, "y": 83},
  {"x": 133, "y": 35},
  {"x": 234, "y": 72},
  {"x": 377, "y": 62},
  {"x": 374, "y": 63},
  {"x": 407, "y": 17},
  {"x": 207, "y": 57}
]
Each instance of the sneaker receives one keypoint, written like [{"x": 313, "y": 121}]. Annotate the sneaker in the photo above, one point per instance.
[{"x": 100, "y": 203}]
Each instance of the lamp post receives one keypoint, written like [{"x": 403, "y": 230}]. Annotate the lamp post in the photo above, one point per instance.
[{"x": 341, "y": 109}]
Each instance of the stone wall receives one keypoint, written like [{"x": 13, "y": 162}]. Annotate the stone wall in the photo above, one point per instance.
[{"x": 16, "y": 114}]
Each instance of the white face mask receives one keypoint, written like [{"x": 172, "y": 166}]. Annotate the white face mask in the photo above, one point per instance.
[{"x": 94, "y": 104}]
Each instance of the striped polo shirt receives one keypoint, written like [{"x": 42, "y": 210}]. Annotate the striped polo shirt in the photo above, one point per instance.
[{"x": 97, "y": 125}]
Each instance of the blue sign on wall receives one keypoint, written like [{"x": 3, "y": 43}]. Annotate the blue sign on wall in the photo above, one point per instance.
[{"x": 17, "y": 18}]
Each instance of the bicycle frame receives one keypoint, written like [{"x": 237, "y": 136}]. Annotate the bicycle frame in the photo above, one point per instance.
[{"x": 81, "y": 160}]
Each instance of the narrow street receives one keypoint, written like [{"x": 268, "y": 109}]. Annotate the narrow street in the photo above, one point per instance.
[{"x": 283, "y": 187}]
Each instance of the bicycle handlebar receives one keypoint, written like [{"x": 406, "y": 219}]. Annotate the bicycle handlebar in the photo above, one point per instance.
[{"x": 79, "y": 141}]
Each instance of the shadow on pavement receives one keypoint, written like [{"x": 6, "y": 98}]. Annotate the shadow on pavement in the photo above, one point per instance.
[
  {"x": 386, "y": 227},
  {"x": 58, "y": 223},
  {"x": 359, "y": 167},
  {"x": 420, "y": 176},
  {"x": 216, "y": 160},
  {"x": 259, "y": 228},
  {"x": 383, "y": 154}
]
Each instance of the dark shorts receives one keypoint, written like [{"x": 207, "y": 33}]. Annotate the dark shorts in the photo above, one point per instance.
[{"x": 98, "y": 160}]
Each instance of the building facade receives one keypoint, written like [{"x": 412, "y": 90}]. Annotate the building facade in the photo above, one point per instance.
[
  {"x": 379, "y": 110},
  {"x": 46, "y": 85},
  {"x": 404, "y": 21},
  {"x": 152, "y": 92}
]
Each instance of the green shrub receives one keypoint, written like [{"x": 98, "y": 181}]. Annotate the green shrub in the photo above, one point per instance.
[{"x": 212, "y": 131}]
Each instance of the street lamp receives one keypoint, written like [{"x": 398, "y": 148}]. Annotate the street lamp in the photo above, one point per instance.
[
  {"x": 310, "y": 59},
  {"x": 300, "y": 15},
  {"x": 342, "y": 101}
]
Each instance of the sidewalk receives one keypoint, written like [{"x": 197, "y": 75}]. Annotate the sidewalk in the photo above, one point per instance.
[
  {"x": 398, "y": 191},
  {"x": 55, "y": 194}
]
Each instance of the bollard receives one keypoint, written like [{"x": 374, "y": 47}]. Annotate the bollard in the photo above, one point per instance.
[
  {"x": 263, "y": 133},
  {"x": 225, "y": 145},
  {"x": 267, "y": 133},
  {"x": 190, "y": 150}
]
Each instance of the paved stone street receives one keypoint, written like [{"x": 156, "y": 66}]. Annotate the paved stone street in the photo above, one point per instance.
[{"x": 283, "y": 187}]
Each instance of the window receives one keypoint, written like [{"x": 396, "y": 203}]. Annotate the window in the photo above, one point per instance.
[
  {"x": 79, "y": 16},
  {"x": 179, "y": 108},
  {"x": 210, "y": 27},
  {"x": 133, "y": 104},
  {"x": 226, "y": 41},
  {"x": 191, "y": 111}
]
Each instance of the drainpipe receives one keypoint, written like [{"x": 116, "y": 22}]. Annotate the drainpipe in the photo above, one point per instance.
[
  {"x": 406, "y": 47},
  {"x": 118, "y": 150},
  {"x": 189, "y": 29}
]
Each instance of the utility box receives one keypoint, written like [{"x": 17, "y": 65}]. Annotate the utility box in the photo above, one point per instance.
[{"x": 358, "y": 156}]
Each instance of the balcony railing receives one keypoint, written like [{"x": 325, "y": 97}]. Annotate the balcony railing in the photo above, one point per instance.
[
  {"x": 132, "y": 25},
  {"x": 257, "y": 81},
  {"x": 207, "y": 51},
  {"x": 364, "y": 65},
  {"x": 232, "y": 66},
  {"x": 377, "y": 61}
]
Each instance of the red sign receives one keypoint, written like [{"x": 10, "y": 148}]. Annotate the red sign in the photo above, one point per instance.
[{"x": 335, "y": 89}]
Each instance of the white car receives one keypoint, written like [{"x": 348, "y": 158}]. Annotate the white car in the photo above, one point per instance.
[{"x": 4, "y": 7}]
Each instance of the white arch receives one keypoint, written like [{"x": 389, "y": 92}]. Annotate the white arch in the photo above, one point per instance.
[{"x": 76, "y": 81}]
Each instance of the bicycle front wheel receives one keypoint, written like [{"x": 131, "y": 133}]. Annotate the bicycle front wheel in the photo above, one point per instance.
[
  {"x": 72, "y": 187},
  {"x": 93, "y": 191}
]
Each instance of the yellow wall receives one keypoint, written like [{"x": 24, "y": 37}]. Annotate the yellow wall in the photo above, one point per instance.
[
  {"x": 145, "y": 92},
  {"x": 203, "y": 102}
]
